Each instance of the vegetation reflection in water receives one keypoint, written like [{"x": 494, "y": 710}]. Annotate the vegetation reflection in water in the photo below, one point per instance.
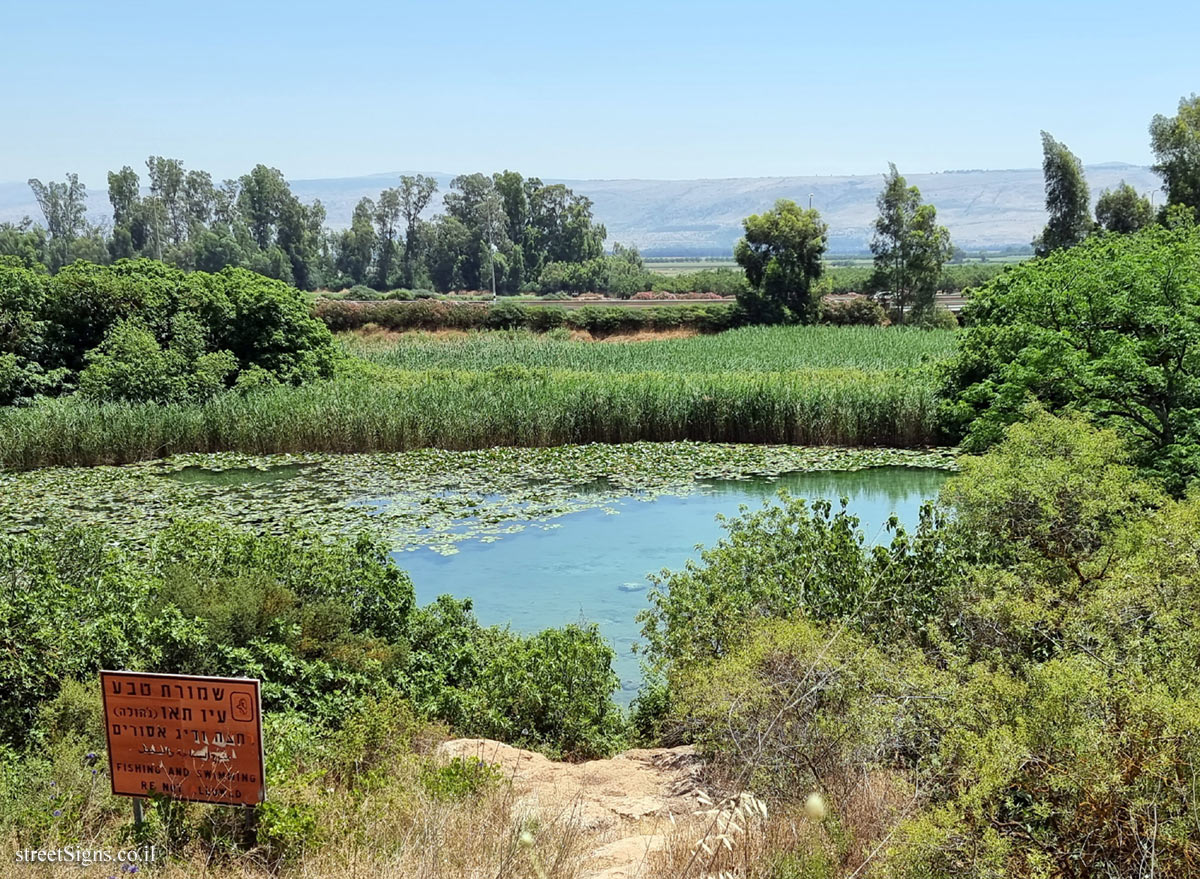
[{"x": 592, "y": 564}]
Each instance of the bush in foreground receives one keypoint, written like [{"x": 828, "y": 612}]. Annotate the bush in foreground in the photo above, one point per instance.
[
  {"x": 322, "y": 624},
  {"x": 1024, "y": 704}
]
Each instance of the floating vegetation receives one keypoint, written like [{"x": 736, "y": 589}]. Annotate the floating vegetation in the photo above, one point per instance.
[{"x": 426, "y": 497}]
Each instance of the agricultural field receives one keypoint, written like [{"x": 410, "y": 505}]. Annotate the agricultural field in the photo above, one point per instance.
[{"x": 665, "y": 266}]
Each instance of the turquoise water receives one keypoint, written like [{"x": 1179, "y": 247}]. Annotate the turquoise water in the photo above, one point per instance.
[{"x": 592, "y": 565}]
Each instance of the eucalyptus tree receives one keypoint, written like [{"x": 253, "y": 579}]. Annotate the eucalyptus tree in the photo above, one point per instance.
[
  {"x": 1067, "y": 198},
  {"x": 261, "y": 197},
  {"x": 415, "y": 194},
  {"x": 199, "y": 199},
  {"x": 64, "y": 205},
  {"x": 562, "y": 224},
  {"x": 124, "y": 194},
  {"x": 356, "y": 245},
  {"x": 388, "y": 211},
  {"x": 167, "y": 184},
  {"x": 1175, "y": 141},
  {"x": 474, "y": 202}
]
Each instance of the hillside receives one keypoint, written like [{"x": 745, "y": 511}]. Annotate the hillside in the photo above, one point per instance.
[{"x": 983, "y": 209}]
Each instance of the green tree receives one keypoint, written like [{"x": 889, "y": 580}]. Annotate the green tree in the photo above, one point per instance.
[
  {"x": 199, "y": 198},
  {"x": 23, "y": 333},
  {"x": 24, "y": 242},
  {"x": 1123, "y": 210},
  {"x": 124, "y": 192},
  {"x": 217, "y": 247},
  {"x": 261, "y": 197},
  {"x": 1067, "y": 199},
  {"x": 448, "y": 254},
  {"x": 356, "y": 246},
  {"x": 415, "y": 195},
  {"x": 387, "y": 224},
  {"x": 1175, "y": 141},
  {"x": 167, "y": 185},
  {"x": 909, "y": 246},
  {"x": 561, "y": 228},
  {"x": 1111, "y": 327},
  {"x": 781, "y": 255},
  {"x": 64, "y": 205},
  {"x": 474, "y": 203},
  {"x": 225, "y": 202},
  {"x": 512, "y": 190}
]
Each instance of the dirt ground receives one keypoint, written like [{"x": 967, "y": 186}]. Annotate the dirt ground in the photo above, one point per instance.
[{"x": 628, "y": 806}]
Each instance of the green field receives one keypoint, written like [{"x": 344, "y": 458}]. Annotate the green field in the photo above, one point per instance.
[
  {"x": 684, "y": 266},
  {"x": 750, "y": 349}
]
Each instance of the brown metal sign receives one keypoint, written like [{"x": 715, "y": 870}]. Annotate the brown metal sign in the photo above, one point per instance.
[{"x": 187, "y": 737}]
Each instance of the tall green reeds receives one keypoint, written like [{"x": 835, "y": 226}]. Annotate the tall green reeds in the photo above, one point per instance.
[
  {"x": 393, "y": 410},
  {"x": 750, "y": 348}
]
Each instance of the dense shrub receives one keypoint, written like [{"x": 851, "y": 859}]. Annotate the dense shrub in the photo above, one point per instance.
[
  {"x": 140, "y": 330},
  {"x": 321, "y": 624},
  {"x": 1035, "y": 710},
  {"x": 936, "y": 318},
  {"x": 954, "y": 277},
  {"x": 795, "y": 558},
  {"x": 440, "y": 315},
  {"x": 860, "y": 311},
  {"x": 795, "y": 706}
]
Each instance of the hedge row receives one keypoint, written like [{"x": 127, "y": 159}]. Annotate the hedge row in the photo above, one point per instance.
[{"x": 433, "y": 315}]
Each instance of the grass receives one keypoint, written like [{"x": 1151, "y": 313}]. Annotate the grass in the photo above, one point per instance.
[
  {"x": 364, "y": 801},
  {"x": 750, "y": 350},
  {"x": 822, "y": 386}
]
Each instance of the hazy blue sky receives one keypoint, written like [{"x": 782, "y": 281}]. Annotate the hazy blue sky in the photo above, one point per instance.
[{"x": 562, "y": 89}]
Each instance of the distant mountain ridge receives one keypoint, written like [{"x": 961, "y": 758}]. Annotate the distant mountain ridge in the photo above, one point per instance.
[{"x": 983, "y": 209}]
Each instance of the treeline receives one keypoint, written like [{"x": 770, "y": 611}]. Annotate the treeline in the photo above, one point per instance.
[
  {"x": 954, "y": 277},
  {"x": 1175, "y": 142},
  {"x": 502, "y": 228},
  {"x": 782, "y": 253},
  {"x": 427, "y": 314}
]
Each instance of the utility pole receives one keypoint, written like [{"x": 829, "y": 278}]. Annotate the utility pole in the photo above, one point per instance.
[{"x": 491, "y": 245}]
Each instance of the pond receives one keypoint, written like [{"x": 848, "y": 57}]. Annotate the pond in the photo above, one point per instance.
[
  {"x": 591, "y": 565},
  {"x": 535, "y": 536}
]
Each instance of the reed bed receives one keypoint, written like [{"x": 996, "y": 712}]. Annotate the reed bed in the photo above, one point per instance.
[
  {"x": 755, "y": 349},
  {"x": 469, "y": 409}
]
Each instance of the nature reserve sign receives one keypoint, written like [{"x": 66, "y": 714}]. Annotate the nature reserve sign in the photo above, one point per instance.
[{"x": 187, "y": 737}]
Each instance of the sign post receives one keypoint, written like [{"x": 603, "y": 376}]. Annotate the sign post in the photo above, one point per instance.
[{"x": 186, "y": 737}]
